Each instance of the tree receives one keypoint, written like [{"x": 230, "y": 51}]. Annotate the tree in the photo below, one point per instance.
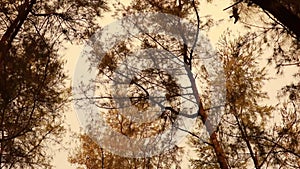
[
  {"x": 275, "y": 146},
  {"x": 249, "y": 137},
  {"x": 280, "y": 32},
  {"x": 279, "y": 26},
  {"x": 246, "y": 136},
  {"x": 33, "y": 93},
  {"x": 90, "y": 155},
  {"x": 285, "y": 13},
  {"x": 32, "y": 96},
  {"x": 178, "y": 47},
  {"x": 140, "y": 85},
  {"x": 244, "y": 118}
]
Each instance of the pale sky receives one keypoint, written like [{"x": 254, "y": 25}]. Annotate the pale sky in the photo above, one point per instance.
[{"x": 216, "y": 11}]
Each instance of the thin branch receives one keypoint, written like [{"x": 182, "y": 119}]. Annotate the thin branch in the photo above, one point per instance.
[
  {"x": 279, "y": 23},
  {"x": 197, "y": 33},
  {"x": 48, "y": 14},
  {"x": 232, "y": 5},
  {"x": 290, "y": 64},
  {"x": 193, "y": 134}
]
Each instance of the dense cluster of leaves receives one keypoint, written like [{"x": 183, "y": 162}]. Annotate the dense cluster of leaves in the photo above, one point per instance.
[
  {"x": 89, "y": 154},
  {"x": 33, "y": 93},
  {"x": 32, "y": 96}
]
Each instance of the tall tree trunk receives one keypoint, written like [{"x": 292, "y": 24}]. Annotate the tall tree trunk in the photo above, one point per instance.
[
  {"x": 12, "y": 31},
  {"x": 218, "y": 149},
  {"x": 280, "y": 11},
  {"x": 10, "y": 34},
  {"x": 5, "y": 44}
]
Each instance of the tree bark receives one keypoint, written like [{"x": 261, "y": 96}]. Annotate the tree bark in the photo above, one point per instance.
[
  {"x": 14, "y": 28},
  {"x": 218, "y": 149},
  {"x": 280, "y": 11}
]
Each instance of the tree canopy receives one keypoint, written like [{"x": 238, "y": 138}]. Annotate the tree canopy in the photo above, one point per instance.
[
  {"x": 34, "y": 94},
  {"x": 246, "y": 135}
]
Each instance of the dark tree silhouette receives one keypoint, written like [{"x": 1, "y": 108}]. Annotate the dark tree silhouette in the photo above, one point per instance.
[{"x": 33, "y": 94}]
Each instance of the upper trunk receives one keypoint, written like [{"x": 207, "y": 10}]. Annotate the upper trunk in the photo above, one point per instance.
[
  {"x": 282, "y": 13},
  {"x": 12, "y": 31}
]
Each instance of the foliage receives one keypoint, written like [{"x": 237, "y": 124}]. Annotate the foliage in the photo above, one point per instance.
[
  {"x": 247, "y": 132},
  {"x": 33, "y": 93},
  {"x": 90, "y": 155},
  {"x": 247, "y": 136}
]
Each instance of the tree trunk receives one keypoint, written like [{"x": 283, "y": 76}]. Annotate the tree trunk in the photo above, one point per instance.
[
  {"x": 218, "y": 149},
  {"x": 14, "y": 28},
  {"x": 280, "y": 11}
]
